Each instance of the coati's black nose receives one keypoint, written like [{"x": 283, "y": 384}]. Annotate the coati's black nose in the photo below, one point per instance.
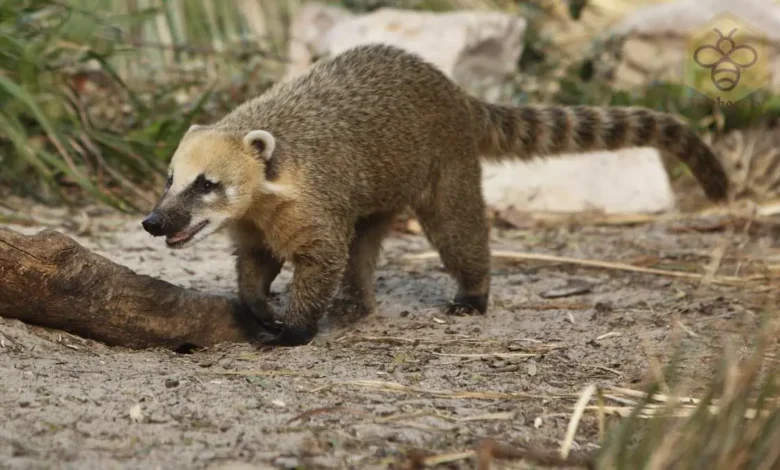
[{"x": 153, "y": 224}]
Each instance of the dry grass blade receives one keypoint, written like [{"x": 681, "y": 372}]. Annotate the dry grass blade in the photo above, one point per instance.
[
  {"x": 415, "y": 341},
  {"x": 502, "y": 416},
  {"x": 768, "y": 208},
  {"x": 538, "y": 348},
  {"x": 579, "y": 409},
  {"x": 608, "y": 369},
  {"x": 259, "y": 373},
  {"x": 448, "y": 458},
  {"x": 611, "y": 334},
  {"x": 416, "y": 414},
  {"x": 393, "y": 387},
  {"x": 481, "y": 355},
  {"x": 655, "y": 397},
  {"x": 404, "y": 417},
  {"x": 521, "y": 256},
  {"x": 724, "y": 216},
  {"x": 328, "y": 409},
  {"x": 717, "y": 257},
  {"x": 652, "y": 411},
  {"x": 520, "y": 219},
  {"x": 486, "y": 451}
]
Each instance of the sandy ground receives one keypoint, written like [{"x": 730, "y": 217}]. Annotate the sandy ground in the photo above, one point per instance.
[{"x": 395, "y": 382}]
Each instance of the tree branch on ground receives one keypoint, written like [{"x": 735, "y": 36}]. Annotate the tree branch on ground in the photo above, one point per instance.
[{"x": 49, "y": 280}]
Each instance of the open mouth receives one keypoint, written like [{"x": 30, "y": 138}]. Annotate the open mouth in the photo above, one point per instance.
[{"x": 182, "y": 237}]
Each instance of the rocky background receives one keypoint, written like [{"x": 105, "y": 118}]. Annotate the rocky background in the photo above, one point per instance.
[{"x": 97, "y": 124}]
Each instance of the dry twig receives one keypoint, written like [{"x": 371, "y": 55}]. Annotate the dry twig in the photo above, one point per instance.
[{"x": 521, "y": 256}]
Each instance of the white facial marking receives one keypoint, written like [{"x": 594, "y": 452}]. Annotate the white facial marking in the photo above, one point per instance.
[
  {"x": 184, "y": 173},
  {"x": 231, "y": 193},
  {"x": 209, "y": 198}
]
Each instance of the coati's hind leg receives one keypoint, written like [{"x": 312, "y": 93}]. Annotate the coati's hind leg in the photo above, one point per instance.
[
  {"x": 455, "y": 222},
  {"x": 358, "y": 295}
]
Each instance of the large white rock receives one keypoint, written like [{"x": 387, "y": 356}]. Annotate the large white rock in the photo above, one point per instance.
[
  {"x": 477, "y": 49},
  {"x": 480, "y": 51},
  {"x": 684, "y": 16},
  {"x": 627, "y": 181}
]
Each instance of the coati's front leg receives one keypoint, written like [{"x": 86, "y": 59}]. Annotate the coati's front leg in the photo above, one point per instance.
[
  {"x": 315, "y": 282},
  {"x": 257, "y": 267}
]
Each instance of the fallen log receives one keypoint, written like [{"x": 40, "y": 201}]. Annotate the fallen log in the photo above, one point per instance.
[{"x": 49, "y": 280}]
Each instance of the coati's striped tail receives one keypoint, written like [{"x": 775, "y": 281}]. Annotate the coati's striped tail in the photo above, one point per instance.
[{"x": 527, "y": 132}]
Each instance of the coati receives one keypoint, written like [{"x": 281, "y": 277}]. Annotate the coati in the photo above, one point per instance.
[{"x": 314, "y": 170}]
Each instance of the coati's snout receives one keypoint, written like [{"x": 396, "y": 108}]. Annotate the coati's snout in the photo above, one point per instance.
[
  {"x": 154, "y": 224},
  {"x": 174, "y": 224},
  {"x": 182, "y": 214}
]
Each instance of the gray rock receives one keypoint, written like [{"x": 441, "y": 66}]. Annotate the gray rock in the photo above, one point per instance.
[{"x": 479, "y": 49}]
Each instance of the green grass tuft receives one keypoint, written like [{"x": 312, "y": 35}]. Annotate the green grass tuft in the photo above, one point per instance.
[{"x": 94, "y": 96}]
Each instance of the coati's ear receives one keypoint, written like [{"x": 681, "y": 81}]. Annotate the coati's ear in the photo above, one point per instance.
[
  {"x": 195, "y": 127},
  {"x": 260, "y": 143}
]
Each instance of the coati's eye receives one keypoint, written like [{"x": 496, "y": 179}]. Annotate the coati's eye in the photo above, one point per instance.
[{"x": 203, "y": 185}]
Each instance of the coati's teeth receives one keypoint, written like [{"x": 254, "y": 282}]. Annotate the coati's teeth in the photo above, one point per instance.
[{"x": 186, "y": 234}]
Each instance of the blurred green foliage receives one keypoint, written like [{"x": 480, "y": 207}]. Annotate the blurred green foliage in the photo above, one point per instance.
[{"x": 90, "y": 106}]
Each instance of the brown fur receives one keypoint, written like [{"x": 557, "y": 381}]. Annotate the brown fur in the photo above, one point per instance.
[{"x": 373, "y": 131}]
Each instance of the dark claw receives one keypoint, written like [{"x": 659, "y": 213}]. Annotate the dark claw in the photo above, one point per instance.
[
  {"x": 287, "y": 336},
  {"x": 460, "y": 310},
  {"x": 468, "y": 305},
  {"x": 274, "y": 332},
  {"x": 279, "y": 334}
]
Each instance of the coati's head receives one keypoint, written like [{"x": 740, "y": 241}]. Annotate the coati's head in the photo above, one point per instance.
[{"x": 213, "y": 177}]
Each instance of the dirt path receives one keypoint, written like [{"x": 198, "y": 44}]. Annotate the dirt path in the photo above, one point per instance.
[{"x": 395, "y": 382}]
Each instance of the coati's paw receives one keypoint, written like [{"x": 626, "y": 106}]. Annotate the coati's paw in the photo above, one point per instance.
[
  {"x": 460, "y": 310},
  {"x": 260, "y": 311},
  {"x": 464, "y": 305},
  {"x": 278, "y": 334}
]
